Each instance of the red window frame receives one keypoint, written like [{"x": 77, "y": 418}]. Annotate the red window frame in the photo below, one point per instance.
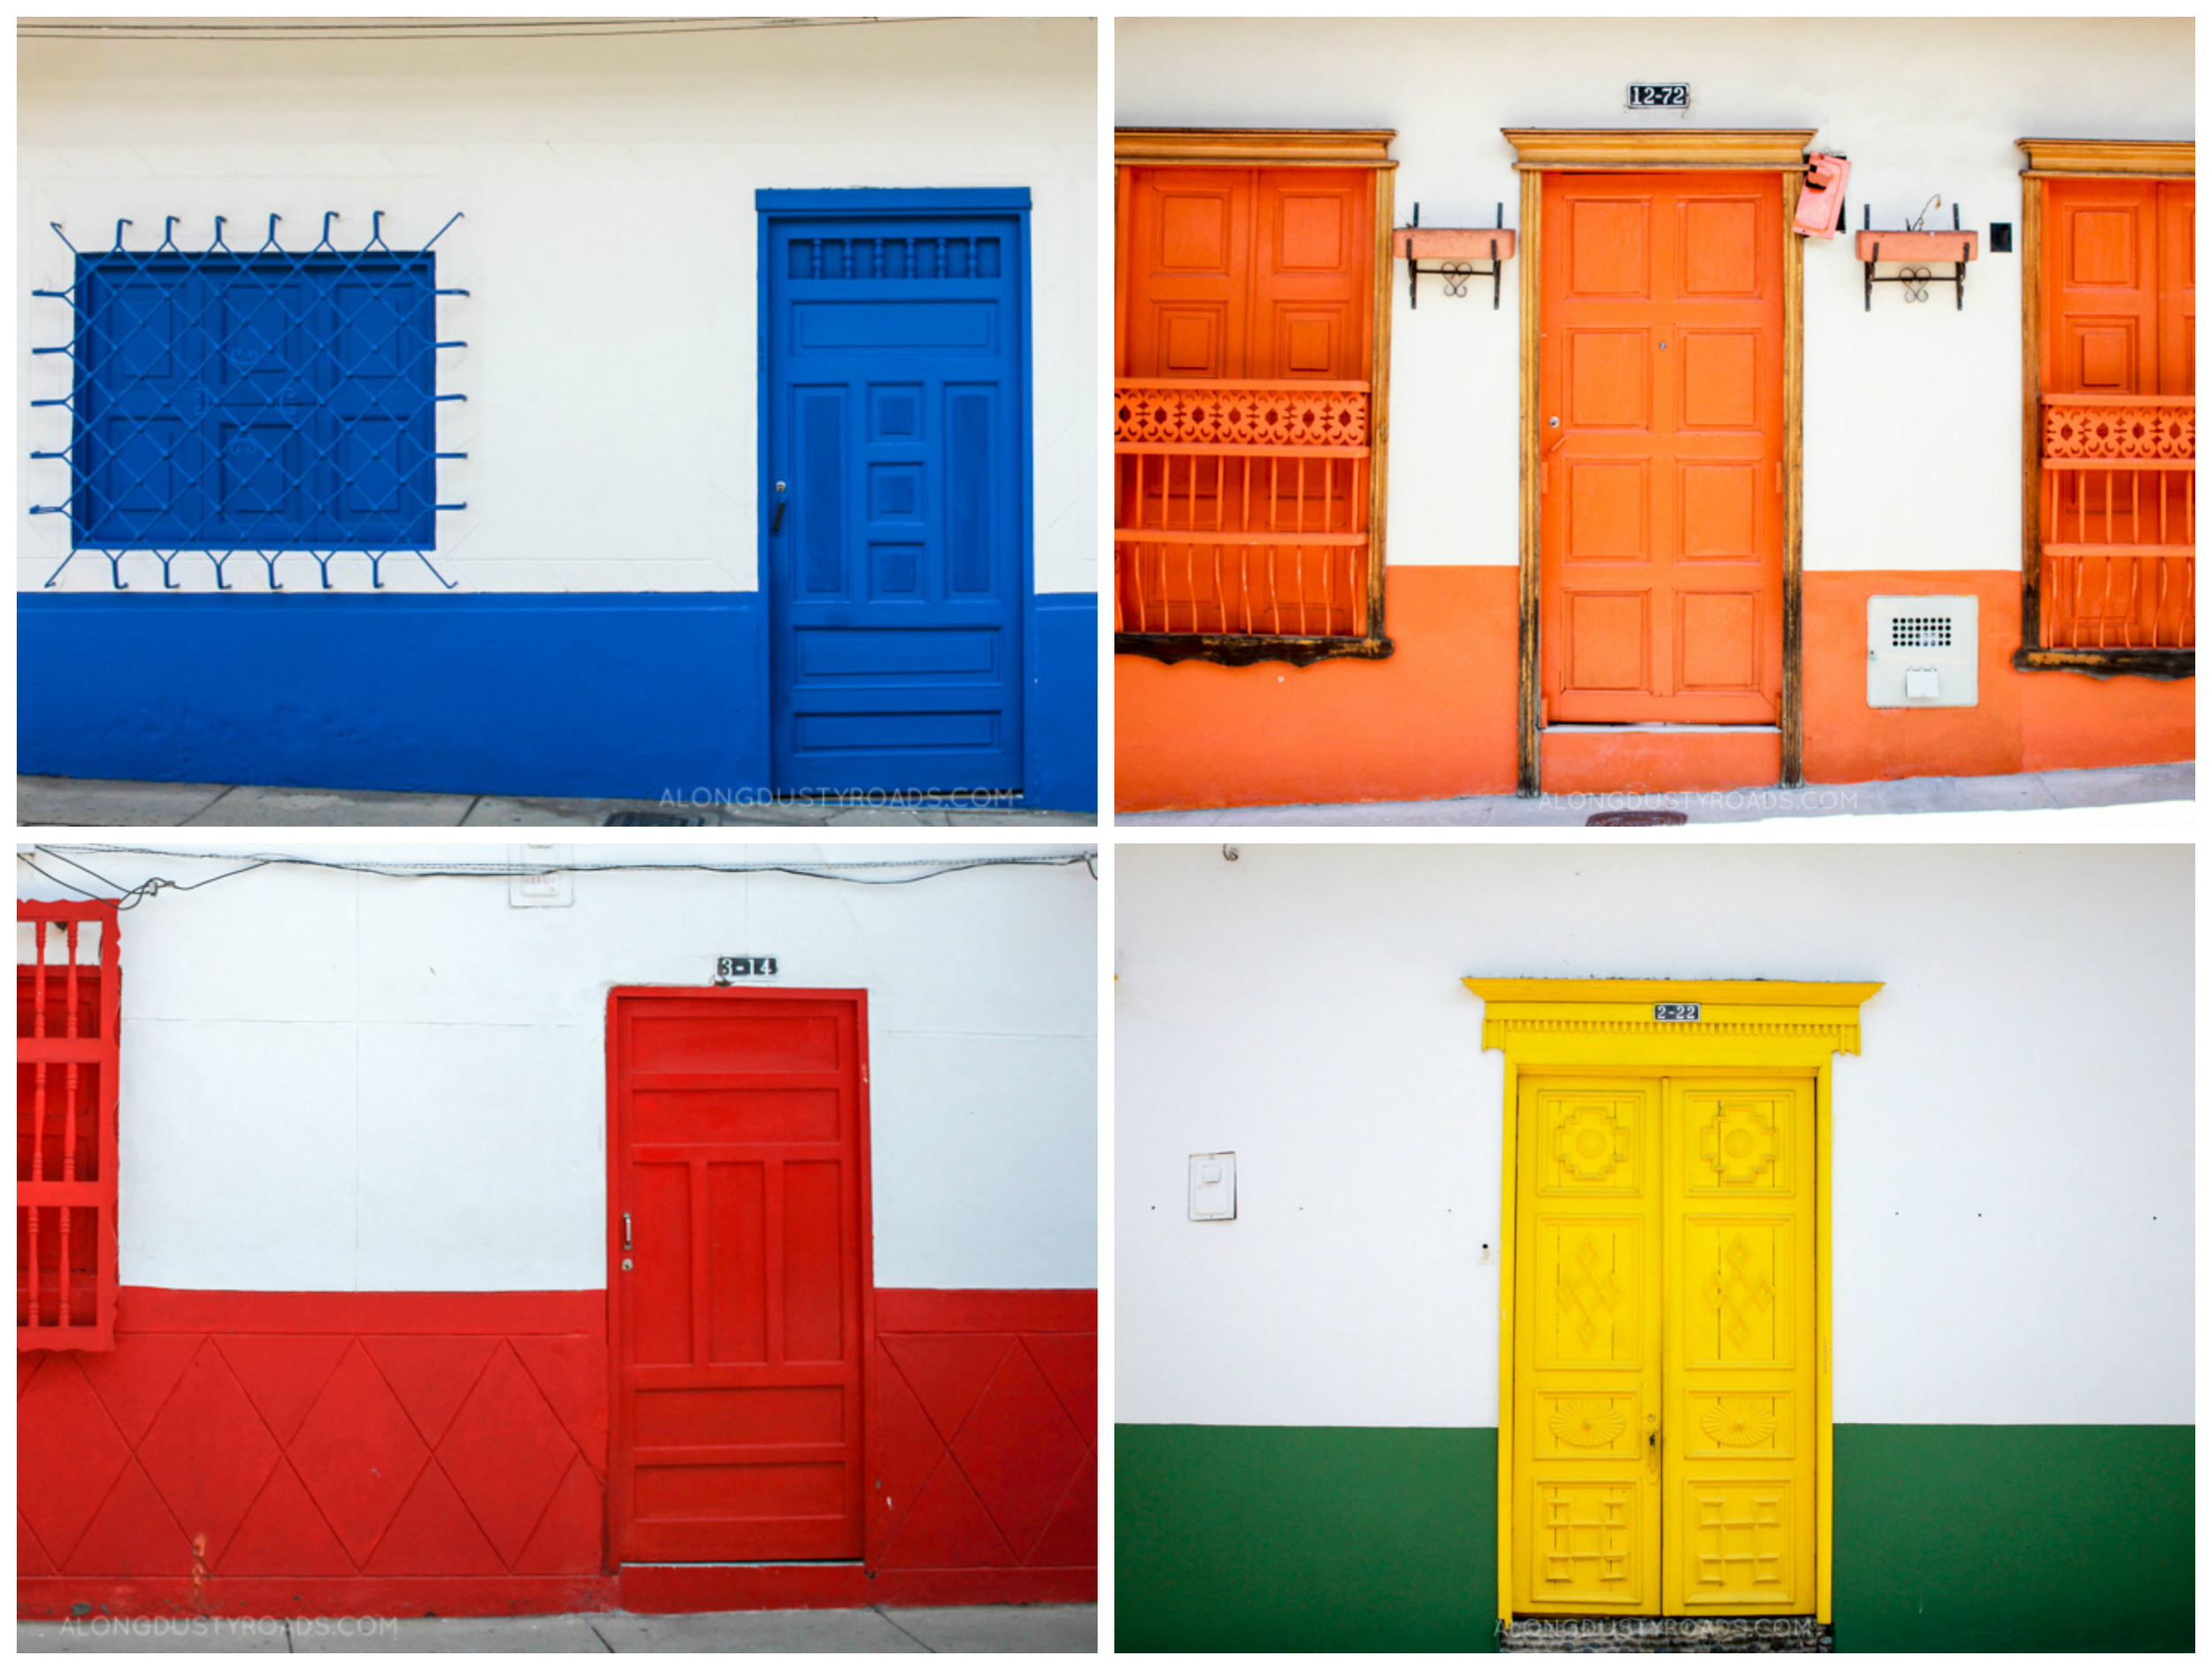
[{"x": 65, "y": 1073}]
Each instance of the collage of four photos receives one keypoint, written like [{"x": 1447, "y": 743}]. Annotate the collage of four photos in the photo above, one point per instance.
[{"x": 1074, "y": 834}]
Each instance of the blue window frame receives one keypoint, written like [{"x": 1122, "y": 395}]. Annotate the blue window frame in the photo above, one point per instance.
[{"x": 265, "y": 402}]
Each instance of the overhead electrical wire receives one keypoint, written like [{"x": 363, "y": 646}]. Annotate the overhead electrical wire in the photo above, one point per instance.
[
  {"x": 844, "y": 870},
  {"x": 474, "y": 29}
]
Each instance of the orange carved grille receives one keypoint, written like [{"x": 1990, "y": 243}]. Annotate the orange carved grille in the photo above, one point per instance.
[
  {"x": 2119, "y": 521},
  {"x": 1242, "y": 507}
]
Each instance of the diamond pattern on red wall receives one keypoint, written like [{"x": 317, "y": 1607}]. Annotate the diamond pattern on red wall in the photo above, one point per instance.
[
  {"x": 336, "y": 1453},
  {"x": 989, "y": 1442},
  {"x": 301, "y": 1436}
]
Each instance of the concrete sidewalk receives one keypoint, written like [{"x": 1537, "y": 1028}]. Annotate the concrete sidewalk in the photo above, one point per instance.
[
  {"x": 862, "y": 1629},
  {"x": 2164, "y": 792},
  {"x": 89, "y": 802}
]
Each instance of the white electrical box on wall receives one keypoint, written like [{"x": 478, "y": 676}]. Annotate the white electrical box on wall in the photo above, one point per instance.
[
  {"x": 1213, "y": 1186},
  {"x": 1922, "y": 651}
]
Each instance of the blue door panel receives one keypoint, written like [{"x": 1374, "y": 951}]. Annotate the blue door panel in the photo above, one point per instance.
[{"x": 896, "y": 561}]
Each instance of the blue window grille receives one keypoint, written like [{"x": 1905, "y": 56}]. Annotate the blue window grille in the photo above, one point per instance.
[{"x": 262, "y": 402}]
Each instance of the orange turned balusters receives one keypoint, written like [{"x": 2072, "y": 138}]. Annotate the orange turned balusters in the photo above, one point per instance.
[
  {"x": 1298, "y": 558},
  {"x": 2120, "y": 521}
]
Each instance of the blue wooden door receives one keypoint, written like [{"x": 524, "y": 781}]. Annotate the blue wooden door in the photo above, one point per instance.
[{"x": 894, "y": 502}]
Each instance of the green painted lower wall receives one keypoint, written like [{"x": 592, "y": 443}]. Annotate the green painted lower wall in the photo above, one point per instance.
[
  {"x": 1305, "y": 1539},
  {"x": 1258, "y": 1539},
  {"x": 2015, "y": 1539}
]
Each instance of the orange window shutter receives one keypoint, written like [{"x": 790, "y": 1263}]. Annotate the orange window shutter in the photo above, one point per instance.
[
  {"x": 1241, "y": 405},
  {"x": 68, "y": 999},
  {"x": 2118, "y": 464}
]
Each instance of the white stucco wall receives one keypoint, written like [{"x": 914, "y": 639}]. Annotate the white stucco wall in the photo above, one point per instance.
[
  {"x": 1912, "y": 415},
  {"x": 608, "y": 245},
  {"x": 335, "y": 1082},
  {"x": 2013, "y": 1197}
]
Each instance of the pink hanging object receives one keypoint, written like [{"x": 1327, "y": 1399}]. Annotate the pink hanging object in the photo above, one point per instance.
[{"x": 1820, "y": 204}]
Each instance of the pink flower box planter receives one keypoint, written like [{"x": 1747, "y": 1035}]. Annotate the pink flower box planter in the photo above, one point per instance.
[
  {"x": 1920, "y": 246},
  {"x": 1451, "y": 243}
]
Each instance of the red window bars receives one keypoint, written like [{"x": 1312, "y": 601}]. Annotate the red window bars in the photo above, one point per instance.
[
  {"x": 1242, "y": 507},
  {"x": 2119, "y": 521},
  {"x": 68, "y": 989}
]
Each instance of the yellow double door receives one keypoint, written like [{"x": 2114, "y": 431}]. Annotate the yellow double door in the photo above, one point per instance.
[{"x": 1665, "y": 1386}]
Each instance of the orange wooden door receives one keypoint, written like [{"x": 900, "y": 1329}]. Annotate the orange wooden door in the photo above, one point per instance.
[
  {"x": 739, "y": 1251},
  {"x": 1661, "y": 439}
]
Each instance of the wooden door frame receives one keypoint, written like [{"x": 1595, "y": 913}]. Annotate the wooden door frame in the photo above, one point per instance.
[
  {"x": 871, "y": 1427},
  {"x": 1744, "y": 1026},
  {"x": 1367, "y": 148},
  {"x": 1542, "y": 151},
  {"x": 2071, "y": 159}
]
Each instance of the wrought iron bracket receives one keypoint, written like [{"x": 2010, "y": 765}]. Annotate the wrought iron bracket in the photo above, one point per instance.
[{"x": 1914, "y": 276}]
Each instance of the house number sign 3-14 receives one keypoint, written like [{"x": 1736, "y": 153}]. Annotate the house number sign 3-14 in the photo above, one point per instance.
[
  {"x": 1658, "y": 96},
  {"x": 1674, "y": 1011},
  {"x": 743, "y": 967}
]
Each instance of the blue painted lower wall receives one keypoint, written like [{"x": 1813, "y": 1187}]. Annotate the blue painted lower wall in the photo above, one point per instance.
[
  {"x": 1062, "y": 768},
  {"x": 626, "y": 694}
]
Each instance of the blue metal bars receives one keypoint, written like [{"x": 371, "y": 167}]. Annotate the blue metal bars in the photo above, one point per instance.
[{"x": 262, "y": 402}]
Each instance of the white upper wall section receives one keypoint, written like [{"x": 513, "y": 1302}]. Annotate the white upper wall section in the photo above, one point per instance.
[
  {"x": 608, "y": 243},
  {"x": 1912, "y": 412},
  {"x": 338, "y": 1082},
  {"x": 2013, "y": 1197}
]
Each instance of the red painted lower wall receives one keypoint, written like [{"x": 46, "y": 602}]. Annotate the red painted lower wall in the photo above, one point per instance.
[
  {"x": 1436, "y": 718},
  {"x": 246, "y": 1454}
]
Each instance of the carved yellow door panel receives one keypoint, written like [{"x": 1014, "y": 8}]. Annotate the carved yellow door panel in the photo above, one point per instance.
[
  {"x": 1586, "y": 1389},
  {"x": 1664, "y": 1386},
  {"x": 1741, "y": 1388}
]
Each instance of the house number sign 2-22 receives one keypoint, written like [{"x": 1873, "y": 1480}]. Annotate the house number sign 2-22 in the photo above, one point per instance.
[
  {"x": 743, "y": 967},
  {"x": 1658, "y": 96},
  {"x": 1674, "y": 1011}
]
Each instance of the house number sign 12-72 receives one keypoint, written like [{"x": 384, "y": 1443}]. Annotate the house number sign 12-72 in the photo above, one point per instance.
[
  {"x": 1658, "y": 96},
  {"x": 743, "y": 967},
  {"x": 1674, "y": 1011}
]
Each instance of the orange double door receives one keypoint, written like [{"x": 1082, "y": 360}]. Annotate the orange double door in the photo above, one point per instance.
[{"x": 1660, "y": 440}]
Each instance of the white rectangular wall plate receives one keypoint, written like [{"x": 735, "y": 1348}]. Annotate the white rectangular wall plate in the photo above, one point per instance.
[
  {"x": 1923, "y": 651},
  {"x": 1213, "y": 1187}
]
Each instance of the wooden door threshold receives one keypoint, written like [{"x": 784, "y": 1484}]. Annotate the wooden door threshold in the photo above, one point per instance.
[{"x": 1659, "y": 727}]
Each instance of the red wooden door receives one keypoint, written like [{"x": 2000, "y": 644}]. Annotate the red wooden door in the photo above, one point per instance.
[
  {"x": 739, "y": 1257},
  {"x": 1661, "y": 435}
]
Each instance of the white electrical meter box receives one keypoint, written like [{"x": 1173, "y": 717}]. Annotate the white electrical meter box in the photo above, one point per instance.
[
  {"x": 1922, "y": 651},
  {"x": 1213, "y": 1186}
]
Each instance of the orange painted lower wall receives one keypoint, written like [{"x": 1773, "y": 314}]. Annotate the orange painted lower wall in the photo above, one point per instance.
[
  {"x": 1433, "y": 720},
  {"x": 2025, "y": 721},
  {"x": 1436, "y": 718}
]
